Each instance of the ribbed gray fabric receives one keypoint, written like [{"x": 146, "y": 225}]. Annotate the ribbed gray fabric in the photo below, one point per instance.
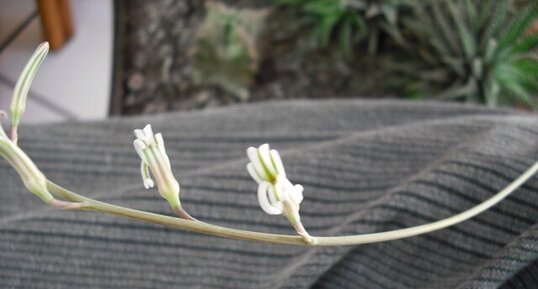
[{"x": 366, "y": 166}]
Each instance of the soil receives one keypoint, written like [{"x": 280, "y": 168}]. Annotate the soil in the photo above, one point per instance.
[{"x": 153, "y": 69}]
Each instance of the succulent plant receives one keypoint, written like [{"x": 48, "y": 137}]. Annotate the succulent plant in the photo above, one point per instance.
[
  {"x": 473, "y": 50},
  {"x": 226, "y": 49},
  {"x": 347, "y": 22},
  {"x": 382, "y": 16}
]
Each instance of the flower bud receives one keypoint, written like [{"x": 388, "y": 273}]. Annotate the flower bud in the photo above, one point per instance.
[
  {"x": 150, "y": 148},
  {"x": 20, "y": 93},
  {"x": 32, "y": 177}
]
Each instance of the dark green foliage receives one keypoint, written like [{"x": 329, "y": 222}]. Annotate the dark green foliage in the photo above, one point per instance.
[
  {"x": 473, "y": 50},
  {"x": 225, "y": 51},
  {"x": 347, "y": 22}
]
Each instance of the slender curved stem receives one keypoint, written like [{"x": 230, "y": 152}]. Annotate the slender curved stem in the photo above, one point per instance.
[{"x": 205, "y": 228}]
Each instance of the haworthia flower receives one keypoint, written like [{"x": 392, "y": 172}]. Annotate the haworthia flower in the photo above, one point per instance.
[
  {"x": 150, "y": 148},
  {"x": 276, "y": 194}
]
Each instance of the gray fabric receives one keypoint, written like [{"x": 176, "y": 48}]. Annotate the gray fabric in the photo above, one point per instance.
[{"x": 366, "y": 166}]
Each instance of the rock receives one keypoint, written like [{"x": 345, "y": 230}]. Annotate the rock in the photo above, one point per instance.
[
  {"x": 202, "y": 97},
  {"x": 130, "y": 100},
  {"x": 135, "y": 82},
  {"x": 165, "y": 69},
  {"x": 276, "y": 90},
  {"x": 139, "y": 60},
  {"x": 158, "y": 105}
]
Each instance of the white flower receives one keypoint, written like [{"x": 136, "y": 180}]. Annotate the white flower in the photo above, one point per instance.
[
  {"x": 276, "y": 194},
  {"x": 275, "y": 191},
  {"x": 150, "y": 148}
]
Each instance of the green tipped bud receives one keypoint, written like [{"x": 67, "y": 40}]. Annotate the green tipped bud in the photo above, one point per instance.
[
  {"x": 18, "y": 103},
  {"x": 32, "y": 177}
]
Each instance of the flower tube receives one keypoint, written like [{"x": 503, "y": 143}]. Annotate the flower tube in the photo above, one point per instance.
[{"x": 154, "y": 160}]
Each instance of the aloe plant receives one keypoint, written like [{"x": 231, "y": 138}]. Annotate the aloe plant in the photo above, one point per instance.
[
  {"x": 226, "y": 51},
  {"x": 348, "y": 22},
  {"x": 474, "y": 50}
]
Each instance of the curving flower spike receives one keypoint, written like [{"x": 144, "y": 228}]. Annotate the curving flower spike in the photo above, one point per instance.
[
  {"x": 155, "y": 161},
  {"x": 276, "y": 194}
]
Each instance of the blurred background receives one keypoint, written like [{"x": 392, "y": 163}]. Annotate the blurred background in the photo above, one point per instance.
[
  {"x": 74, "y": 82},
  {"x": 142, "y": 57}
]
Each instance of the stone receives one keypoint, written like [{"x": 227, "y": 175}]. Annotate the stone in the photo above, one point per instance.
[{"x": 135, "y": 82}]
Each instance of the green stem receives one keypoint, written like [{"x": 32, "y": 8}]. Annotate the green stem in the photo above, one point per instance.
[
  {"x": 204, "y": 228},
  {"x": 193, "y": 226}
]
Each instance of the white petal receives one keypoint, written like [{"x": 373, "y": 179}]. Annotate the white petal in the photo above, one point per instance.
[
  {"x": 297, "y": 194},
  {"x": 148, "y": 183},
  {"x": 253, "y": 156},
  {"x": 273, "y": 195},
  {"x": 252, "y": 153},
  {"x": 252, "y": 171},
  {"x": 139, "y": 146},
  {"x": 160, "y": 145},
  {"x": 139, "y": 134},
  {"x": 274, "y": 199},
  {"x": 263, "y": 152},
  {"x": 144, "y": 171},
  {"x": 264, "y": 202},
  {"x": 277, "y": 162},
  {"x": 148, "y": 131}
]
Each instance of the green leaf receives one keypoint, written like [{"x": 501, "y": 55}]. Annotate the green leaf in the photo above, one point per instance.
[
  {"x": 325, "y": 29},
  {"x": 390, "y": 13},
  {"x": 344, "y": 39},
  {"x": 478, "y": 68},
  {"x": 467, "y": 39},
  {"x": 289, "y": 2},
  {"x": 518, "y": 25},
  {"x": 361, "y": 28},
  {"x": 373, "y": 40},
  {"x": 451, "y": 40},
  {"x": 491, "y": 48},
  {"x": 491, "y": 90},
  {"x": 484, "y": 13},
  {"x": 528, "y": 67},
  {"x": 528, "y": 43},
  {"x": 472, "y": 13},
  {"x": 455, "y": 92},
  {"x": 518, "y": 92},
  {"x": 517, "y": 82},
  {"x": 395, "y": 33},
  {"x": 457, "y": 65},
  {"x": 496, "y": 21},
  {"x": 323, "y": 7},
  {"x": 527, "y": 70}
]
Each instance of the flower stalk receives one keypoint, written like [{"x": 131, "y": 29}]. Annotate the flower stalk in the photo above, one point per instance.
[
  {"x": 276, "y": 194},
  {"x": 209, "y": 229}
]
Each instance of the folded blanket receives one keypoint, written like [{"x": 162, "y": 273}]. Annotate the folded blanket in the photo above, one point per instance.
[{"x": 366, "y": 166}]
